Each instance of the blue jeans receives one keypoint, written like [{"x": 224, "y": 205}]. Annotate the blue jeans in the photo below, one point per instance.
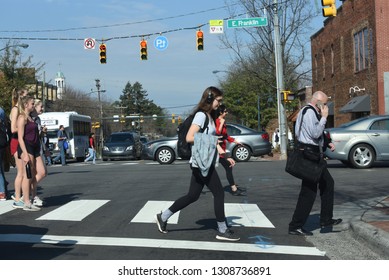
[
  {"x": 92, "y": 155},
  {"x": 61, "y": 153}
]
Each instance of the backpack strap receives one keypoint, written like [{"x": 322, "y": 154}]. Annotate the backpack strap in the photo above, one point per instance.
[{"x": 206, "y": 122}]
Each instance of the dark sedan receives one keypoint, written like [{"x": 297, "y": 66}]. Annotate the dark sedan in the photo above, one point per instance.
[
  {"x": 121, "y": 145},
  {"x": 361, "y": 142}
]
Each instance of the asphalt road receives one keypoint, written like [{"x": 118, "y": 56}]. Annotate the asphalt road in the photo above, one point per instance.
[{"x": 106, "y": 211}]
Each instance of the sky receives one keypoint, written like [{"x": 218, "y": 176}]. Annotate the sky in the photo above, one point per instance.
[{"x": 174, "y": 78}]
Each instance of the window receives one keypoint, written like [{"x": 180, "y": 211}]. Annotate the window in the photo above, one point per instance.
[
  {"x": 380, "y": 125},
  {"x": 362, "y": 44}
]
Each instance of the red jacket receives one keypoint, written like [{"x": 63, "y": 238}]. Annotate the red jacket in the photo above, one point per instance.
[{"x": 223, "y": 132}]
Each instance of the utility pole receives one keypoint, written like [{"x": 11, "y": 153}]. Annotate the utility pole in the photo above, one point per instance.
[
  {"x": 101, "y": 118},
  {"x": 280, "y": 80}
]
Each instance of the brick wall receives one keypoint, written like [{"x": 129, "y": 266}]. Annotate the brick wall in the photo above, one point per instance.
[{"x": 333, "y": 55}]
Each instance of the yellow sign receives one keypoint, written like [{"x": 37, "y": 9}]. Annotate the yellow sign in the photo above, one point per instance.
[
  {"x": 216, "y": 26},
  {"x": 216, "y": 22}
]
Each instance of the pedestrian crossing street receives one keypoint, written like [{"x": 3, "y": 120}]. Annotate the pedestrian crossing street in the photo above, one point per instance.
[{"x": 238, "y": 215}]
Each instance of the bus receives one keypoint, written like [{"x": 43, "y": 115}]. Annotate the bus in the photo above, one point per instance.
[{"x": 77, "y": 128}]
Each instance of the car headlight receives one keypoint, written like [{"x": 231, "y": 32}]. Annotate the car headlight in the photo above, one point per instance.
[
  {"x": 105, "y": 148},
  {"x": 129, "y": 148}
]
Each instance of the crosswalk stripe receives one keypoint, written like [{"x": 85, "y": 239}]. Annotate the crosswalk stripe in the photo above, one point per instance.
[
  {"x": 247, "y": 215},
  {"x": 160, "y": 243},
  {"x": 75, "y": 210},
  {"x": 151, "y": 208},
  {"x": 6, "y": 206}
]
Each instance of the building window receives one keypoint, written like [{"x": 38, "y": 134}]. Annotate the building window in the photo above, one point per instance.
[
  {"x": 332, "y": 60},
  {"x": 362, "y": 44},
  {"x": 324, "y": 65}
]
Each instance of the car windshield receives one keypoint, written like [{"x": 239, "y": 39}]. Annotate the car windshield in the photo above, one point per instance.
[{"x": 121, "y": 138}]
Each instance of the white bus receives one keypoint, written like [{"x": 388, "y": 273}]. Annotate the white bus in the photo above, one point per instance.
[{"x": 77, "y": 128}]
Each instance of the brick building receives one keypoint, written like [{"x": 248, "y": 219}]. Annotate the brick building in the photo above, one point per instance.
[{"x": 350, "y": 60}]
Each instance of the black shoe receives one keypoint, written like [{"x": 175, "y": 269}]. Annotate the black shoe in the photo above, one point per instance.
[
  {"x": 161, "y": 224},
  {"x": 330, "y": 223},
  {"x": 241, "y": 188},
  {"x": 300, "y": 231},
  {"x": 238, "y": 192},
  {"x": 228, "y": 235}
]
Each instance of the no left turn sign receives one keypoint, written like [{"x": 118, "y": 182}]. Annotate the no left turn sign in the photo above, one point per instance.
[{"x": 89, "y": 43}]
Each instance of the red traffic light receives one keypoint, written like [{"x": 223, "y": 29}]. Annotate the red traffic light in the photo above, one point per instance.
[
  {"x": 200, "y": 40},
  {"x": 143, "y": 50},
  {"x": 103, "y": 54}
]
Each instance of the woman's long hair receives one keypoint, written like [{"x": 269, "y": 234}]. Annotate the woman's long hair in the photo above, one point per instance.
[
  {"x": 17, "y": 94},
  {"x": 206, "y": 101},
  {"x": 22, "y": 105}
]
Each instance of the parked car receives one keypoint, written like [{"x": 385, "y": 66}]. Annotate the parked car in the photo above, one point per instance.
[
  {"x": 361, "y": 142},
  {"x": 253, "y": 143},
  {"x": 122, "y": 145},
  {"x": 162, "y": 150}
]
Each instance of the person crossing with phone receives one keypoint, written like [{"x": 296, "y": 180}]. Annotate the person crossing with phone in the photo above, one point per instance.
[{"x": 310, "y": 126}]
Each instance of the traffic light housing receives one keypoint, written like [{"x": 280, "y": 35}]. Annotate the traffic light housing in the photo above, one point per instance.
[
  {"x": 173, "y": 118},
  {"x": 329, "y": 8},
  {"x": 179, "y": 120},
  {"x": 200, "y": 40},
  {"x": 143, "y": 50},
  {"x": 103, "y": 54},
  {"x": 287, "y": 96}
]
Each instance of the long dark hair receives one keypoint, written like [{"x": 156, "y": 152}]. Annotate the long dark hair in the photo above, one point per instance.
[
  {"x": 220, "y": 110},
  {"x": 206, "y": 101}
]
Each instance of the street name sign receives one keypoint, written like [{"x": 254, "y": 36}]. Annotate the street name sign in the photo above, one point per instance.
[{"x": 247, "y": 22}]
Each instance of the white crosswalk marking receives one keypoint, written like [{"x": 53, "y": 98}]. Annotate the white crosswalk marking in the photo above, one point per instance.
[
  {"x": 74, "y": 210},
  {"x": 151, "y": 208},
  {"x": 237, "y": 214},
  {"x": 246, "y": 215},
  {"x": 6, "y": 206},
  {"x": 160, "y": 243}
]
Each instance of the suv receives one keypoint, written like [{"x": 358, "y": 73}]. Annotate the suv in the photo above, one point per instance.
[{"x": 122, "y": 145}]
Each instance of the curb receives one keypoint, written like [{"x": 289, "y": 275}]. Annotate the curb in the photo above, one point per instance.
[{"x": 377, "y": 239}]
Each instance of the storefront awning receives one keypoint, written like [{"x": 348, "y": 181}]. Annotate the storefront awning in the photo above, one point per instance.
[{"x": 357, "y": 104}]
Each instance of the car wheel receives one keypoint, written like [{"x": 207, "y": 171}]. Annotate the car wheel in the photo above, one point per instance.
[
  {"x": 241, "y": 153},
  {"x": 164, "y": 155},
  {"x": 362, "y": 156}
]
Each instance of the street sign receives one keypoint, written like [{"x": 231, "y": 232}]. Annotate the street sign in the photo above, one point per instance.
[
  {"x": 89, "y": 43},
  {"x": 161, "y": 43},
  {"x": 216, "y": 26},
  {"x": 247, "y": 22}
]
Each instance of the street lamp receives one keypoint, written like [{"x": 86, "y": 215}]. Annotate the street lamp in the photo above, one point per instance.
[{"x": 24, "y": 46}]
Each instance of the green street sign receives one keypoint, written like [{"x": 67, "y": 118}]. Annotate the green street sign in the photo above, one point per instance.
[{"x": 247, "y": 22}]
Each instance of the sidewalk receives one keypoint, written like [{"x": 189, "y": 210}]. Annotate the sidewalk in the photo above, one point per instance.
[{"x": 369, "y": 223}]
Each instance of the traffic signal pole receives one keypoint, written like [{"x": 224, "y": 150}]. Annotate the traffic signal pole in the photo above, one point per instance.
[
  {"x": 279, "y": 81},
  {"x": 101, "y": 119}
]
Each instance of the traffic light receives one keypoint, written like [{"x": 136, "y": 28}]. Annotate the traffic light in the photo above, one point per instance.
[
  {"x": 173, "y": 118},
  {"x": 103, "y": 54},
  {"x": 143, "y": 50},
  {"x": 200, "y": 40},
  {"x": 179, "y": 120},
  {"x": 287, "y": 96},
  {"x": 329, "y": 8}
]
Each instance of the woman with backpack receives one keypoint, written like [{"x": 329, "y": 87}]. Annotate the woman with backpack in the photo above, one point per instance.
[{"x": 205, "y": 153}]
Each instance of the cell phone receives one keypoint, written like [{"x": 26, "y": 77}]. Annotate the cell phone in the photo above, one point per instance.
[{"x": 319, "y": 105}]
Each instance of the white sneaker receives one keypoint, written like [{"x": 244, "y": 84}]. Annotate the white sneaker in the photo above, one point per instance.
[
  {"x": 37, "y": 201},
  {"x": 31, "y": 207}
]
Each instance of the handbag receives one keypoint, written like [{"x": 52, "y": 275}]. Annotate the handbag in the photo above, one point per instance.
[
  {"x": 65, "y": 145},
  {"x": 305, "y": 164},
  {"x": 299, "y": 166}
]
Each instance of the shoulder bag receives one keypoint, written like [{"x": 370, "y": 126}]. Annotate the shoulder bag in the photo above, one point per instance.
[{"x": 303, "y": 165}]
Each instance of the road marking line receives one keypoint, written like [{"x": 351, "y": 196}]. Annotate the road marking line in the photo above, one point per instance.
[
  {"x": 160, "y": 243},
  {"x": 130, "y": 163},
  {"x": 150, "y": 209},
  {"x": 246, "y": 215},
  {"x": 74, "y": 210},
  {"x": 6, "y": 206},
  {"x": 237, "y": 214}
]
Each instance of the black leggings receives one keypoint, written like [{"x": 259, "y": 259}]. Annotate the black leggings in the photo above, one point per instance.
[
  {"x": 197, "y": 183},
  {"x": 227, "y": 166}
]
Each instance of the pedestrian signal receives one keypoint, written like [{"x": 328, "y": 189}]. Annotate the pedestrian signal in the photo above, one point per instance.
[
  {"x": 200, "y": 40},
  {"x": 329, "y": 8},
  {"x": 143, "y": 50},
  {"x": 103, "y": 54}
]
